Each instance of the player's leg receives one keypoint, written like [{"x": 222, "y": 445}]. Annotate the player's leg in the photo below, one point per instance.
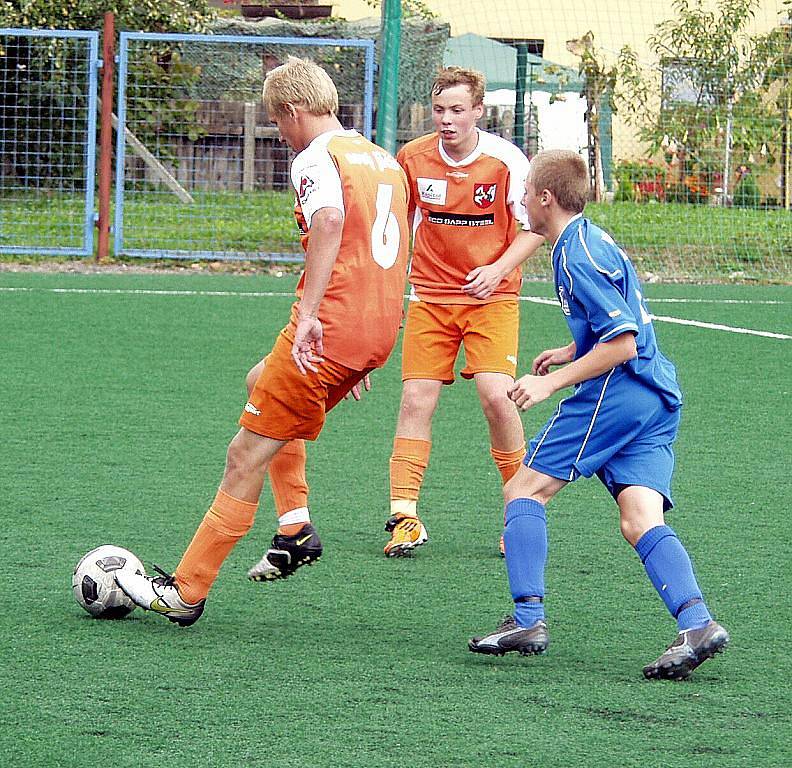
[
  {"x": 181, "y": 597},
  {"x": 286, "y": 475},
  {"x": 549, "y": 464},
  {"x": 302, "y": 414},
  {"x": 639, "y": 478},
  {"x": 408, "y": 462},
  {"x": 669, "y": 569},
  {"x": 429, "y": 349},
  {"x": 525, "y": 534},
  {"x": 507, "y": 444},
  {"x": 289, "y": 486},
  {"x": 507, "y": 441},
  {"x": 490, "y": 340}
]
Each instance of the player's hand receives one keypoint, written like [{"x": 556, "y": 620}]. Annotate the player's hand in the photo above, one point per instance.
[
  {"x": 356, "y": 391},
  {"x": 529, "y": 390},
  {"x": 558, "y": 356},
  {"x": 482, "y": 281},
  {"x": 307, "y": 348}
]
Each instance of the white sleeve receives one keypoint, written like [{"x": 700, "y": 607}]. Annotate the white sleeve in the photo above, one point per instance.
[
  {"x": 518, "y": 172},
  {"x": 317, "y": 183}
]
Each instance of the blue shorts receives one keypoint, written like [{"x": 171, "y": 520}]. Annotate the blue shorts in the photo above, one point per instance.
[{"x": 613, "y": 426}]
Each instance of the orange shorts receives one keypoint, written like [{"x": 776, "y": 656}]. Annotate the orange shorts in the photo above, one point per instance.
[
  {"x": 433, "y": 334},
  {"x": 287, "y": 405}
]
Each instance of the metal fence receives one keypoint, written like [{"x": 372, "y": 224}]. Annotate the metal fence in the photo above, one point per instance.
[
  {"x": 47, "y": 141},
  {"x": 200, "y": 173}
]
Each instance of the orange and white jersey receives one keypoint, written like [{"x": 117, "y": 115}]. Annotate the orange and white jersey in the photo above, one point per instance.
[
  {"x": 362, "y": 306},
  {"x": 466, "y": 214}
]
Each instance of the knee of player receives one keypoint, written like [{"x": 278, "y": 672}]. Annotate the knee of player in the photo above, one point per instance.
[
  {"x": 632, "y": 528},
  {"x": 239, "y": 461},
  {"x": 417, "y": 404},
  {"x": 498, "y": 407}
]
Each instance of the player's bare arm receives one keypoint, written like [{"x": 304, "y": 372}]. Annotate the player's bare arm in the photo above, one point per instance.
[
  {"x": 552, "y": 357},
  {"x": 529, "y": 390},
  {"x": 482, "y": 281},
  {"x": 327, "y": 226}
]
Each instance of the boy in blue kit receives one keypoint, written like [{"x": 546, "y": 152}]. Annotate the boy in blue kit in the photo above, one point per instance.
[{"x": 619, "y": 423}]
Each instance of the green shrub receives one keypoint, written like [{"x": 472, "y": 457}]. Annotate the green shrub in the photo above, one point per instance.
[{"x": 746, "y": 193}]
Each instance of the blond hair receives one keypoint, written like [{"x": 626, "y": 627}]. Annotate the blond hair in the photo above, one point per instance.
[
  {"x": 564, "y": 174},
  {"x": 299, "y": 82},
  {"x": 451, "y": 76}
]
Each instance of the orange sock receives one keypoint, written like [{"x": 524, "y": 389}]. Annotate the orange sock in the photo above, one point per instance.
[
  {"x": 408, "y": 463},
  {"x": 508, "y": 462},
  {"x": 289, "y": 487},
  {"x": 226, "y": 522}
]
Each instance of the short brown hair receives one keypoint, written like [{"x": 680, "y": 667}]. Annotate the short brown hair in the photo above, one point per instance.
[
  {"x": 451, "y": 76},
  {"x": 299, "y": 82},
  {"x": 564, "y": 174}
]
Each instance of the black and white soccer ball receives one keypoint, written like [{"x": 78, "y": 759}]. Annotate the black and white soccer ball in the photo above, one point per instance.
[{"x": 94, "y": 585}]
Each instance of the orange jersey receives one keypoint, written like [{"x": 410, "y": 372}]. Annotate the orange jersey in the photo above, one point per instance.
[
  {"x": 466, "y": 214},
  {"x": 362, "y": 306}
]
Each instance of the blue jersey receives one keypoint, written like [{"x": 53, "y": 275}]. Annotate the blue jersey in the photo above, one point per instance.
[{"x": 601, "y": 298}]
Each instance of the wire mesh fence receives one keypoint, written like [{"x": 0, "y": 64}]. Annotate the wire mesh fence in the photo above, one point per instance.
[
  {"x": 682, "y": 109},
  {"x": 200, "y": 171},
  {"x": 47, "y": 141}
]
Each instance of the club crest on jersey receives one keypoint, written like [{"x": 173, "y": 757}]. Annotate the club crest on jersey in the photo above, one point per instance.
[
  {"x": 484, "y": 195},
  {"x": 307, "y": 186}
]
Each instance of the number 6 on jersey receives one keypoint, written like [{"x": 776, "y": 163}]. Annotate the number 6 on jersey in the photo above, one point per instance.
[{"x": 385, "y": 235}]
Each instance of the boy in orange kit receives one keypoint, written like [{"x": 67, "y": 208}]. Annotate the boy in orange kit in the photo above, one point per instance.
[
  {"x": 352, "y": 211},
  {"x": 470, "y": 238}
]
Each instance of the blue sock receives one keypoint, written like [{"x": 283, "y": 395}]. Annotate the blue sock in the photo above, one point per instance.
[
  {"x": 671, "y": 573},
  {"x": 525, "y": 539}
]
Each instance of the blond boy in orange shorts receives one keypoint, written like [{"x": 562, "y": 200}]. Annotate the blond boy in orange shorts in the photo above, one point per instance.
[
  {"x": 352, "y": 210},
  {"x": 470, "y": 236}
]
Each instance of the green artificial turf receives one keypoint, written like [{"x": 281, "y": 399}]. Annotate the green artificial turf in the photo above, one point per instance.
[{"x": 116, "y": 408}]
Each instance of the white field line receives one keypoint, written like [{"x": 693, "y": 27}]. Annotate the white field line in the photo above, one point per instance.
[
  {"x": 532, "y": 299},
  {"x": 681, "y": 321}
]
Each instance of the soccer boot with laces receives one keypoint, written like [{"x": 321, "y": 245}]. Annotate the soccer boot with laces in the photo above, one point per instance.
[
  {"x": 160, "y": 595},
  {"x": 407, "y": 532},
  {"x": 287, "y": 554},
  {"x": 690, "y": 648},
  {"x": 510, "y": 636}
]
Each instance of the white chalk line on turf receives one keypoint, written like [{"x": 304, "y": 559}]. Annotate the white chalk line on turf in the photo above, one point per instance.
[
  {"x": 719, "y": 327},
  {"x": 681, "y": 321},
  {"x": 531, "y": 299},
  {"x": 148, "y": 292}
]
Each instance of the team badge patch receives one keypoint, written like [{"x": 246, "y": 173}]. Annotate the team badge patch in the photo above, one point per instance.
[
  {"x": 307, "y": 186},
  {"x": 484, "y": 195},
  {"x": 432, "y": 191}
]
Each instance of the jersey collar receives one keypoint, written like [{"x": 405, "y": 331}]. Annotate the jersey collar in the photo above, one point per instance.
[
  {"x": 474, "y": 155},
  {"x": 323, "y": 139},
  {"x": 565, "y": 231}
]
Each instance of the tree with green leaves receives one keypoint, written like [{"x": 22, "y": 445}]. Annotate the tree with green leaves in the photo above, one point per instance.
[
  {"x": 709, "y": 102},
  {"x": 600, "y": 80},
  {"x": 37, "y": 143},
  {"x": 137, "y": 15}
]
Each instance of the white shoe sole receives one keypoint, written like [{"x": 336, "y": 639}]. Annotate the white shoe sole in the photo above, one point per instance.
[{"x": 399, "y": 550}]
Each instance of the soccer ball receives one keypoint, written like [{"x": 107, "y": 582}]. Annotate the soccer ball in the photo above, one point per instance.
[{"x": 94, "y": 585}]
